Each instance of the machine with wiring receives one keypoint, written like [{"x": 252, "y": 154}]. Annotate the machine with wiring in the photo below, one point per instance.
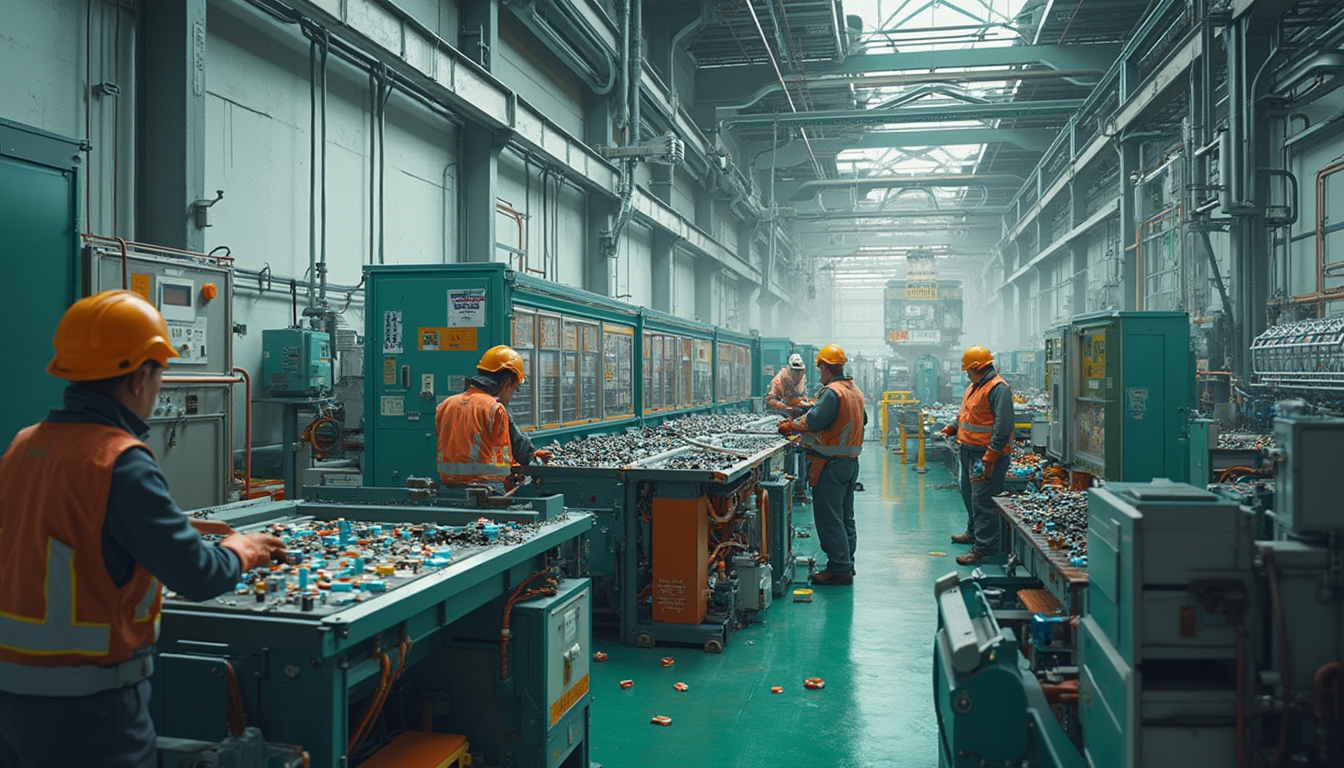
[
  {"x": 350, "y": 642},
  {"x": 690, "y": 542},
  {"x": 1181, "y": 637},
  {"x": 190, "y": 428}
]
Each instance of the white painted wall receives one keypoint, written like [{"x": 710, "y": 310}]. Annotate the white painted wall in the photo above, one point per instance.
[{"x": 51, "y": 53}]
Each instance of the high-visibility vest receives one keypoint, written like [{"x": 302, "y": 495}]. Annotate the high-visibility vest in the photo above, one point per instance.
[
  {"x": 844, "y": 436},
  {"x": 66, "y": 629},
  {"x": 975, "y": 423},
  {"x": 473, "y": 432},
  {"x": 782, "y": 390}
]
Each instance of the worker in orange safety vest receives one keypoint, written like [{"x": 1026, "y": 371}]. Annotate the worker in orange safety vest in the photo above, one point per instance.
[
  {"x": 88, "y": 530},
  {"x": 788, "y": 389},
  {"x": 478, "y": 442},
  {"x": 832, "y": 435},
  {"x": 984, "y": 430}
]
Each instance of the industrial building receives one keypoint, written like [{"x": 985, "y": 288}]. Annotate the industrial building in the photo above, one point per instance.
[{"x": 627, "y": 224}]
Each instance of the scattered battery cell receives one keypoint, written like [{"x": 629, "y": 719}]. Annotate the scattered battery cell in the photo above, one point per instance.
[
  {"x": 814, "y": 683},
  {"x": 627, "y": 684},
  {"x": 802, "y": 595},
  {"x": 663, "y": 720},
  {"x": 681, "y": 687},
  {"x": 667, "y": 661}
]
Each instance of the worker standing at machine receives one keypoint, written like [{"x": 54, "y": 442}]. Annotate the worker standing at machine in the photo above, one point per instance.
[
  {"x": 788, "y": 389},
  {"x": 478, "y": 442},
  {"x": 832, "y": 434},
  {"x": 984, "y": 430},
  {"x": 88, "y": 529}
]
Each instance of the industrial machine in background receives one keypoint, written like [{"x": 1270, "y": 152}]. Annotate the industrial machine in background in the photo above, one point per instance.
[
  {"x": 593, "y": 365},
  {"x": 923, "y": 319},
  {"x": 1120, "y": 389},
  {"x": 1180, "y": 637},
  {"x": 296, "y": 362},
  {"x": 409, "y": 616},
  {"x": 693, "y": 535},
  {"x": 191, "y": 426}
]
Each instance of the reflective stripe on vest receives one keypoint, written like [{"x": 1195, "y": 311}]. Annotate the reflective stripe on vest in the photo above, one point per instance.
[
  {"x": 73, "y": 681},
  {"x": 56, "y": 632},
  {"x": 975, "y": 422},
  {"x": 71, "y": 631},
  {"x": 844, "y": 436}
]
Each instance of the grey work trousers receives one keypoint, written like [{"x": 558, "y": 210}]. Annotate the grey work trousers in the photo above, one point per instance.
[
  {"x": 110, "y": 729},
  {"x": 982, "y": 517},
  {"x": 833, "y": 513}
]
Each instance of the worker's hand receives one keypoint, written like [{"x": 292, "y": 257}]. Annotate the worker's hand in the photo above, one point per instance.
[
  {"x": 949, "y": 431},
  {"x": 989, "y": 460},
  {"x": 789, "y": 427},
  {"x": 543, "y": 455},
  {"x": 254, "y": 550}
]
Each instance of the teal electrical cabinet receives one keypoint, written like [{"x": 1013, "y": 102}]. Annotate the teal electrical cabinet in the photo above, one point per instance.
[
  {"x": 809, "y": 355},
  {"x": 1130, "y": 380},
  {"x": 39, "y": 246}
]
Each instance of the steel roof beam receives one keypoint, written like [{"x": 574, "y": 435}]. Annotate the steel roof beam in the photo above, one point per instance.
[
  {"x": 951, "y": 111},
  {"x": 734, "y": 85}
]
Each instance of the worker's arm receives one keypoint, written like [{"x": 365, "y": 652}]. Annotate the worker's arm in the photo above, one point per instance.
[
  {"x": 776, "y": 396},
  {"x": 521, "y": 446},
  {"x": 144, "y": 525},
  {"x": 823, "y": 413},
  {"x": 1001, "y": 402}
]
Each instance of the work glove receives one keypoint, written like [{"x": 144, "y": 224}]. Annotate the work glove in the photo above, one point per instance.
[
  {"x": 789, "y": 427},
  {"x": 543, "y": 455},
  {"x": 990, "y": 458},
  {"x": 254, "y": 550},
  {"x": 949, "y": 431}
]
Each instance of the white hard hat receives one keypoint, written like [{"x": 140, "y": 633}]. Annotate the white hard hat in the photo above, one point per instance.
[{"x": 796, "y": 362}]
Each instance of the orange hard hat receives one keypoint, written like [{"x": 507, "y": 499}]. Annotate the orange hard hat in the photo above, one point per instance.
[
  {"x": 109, "y": 334},
  {"x": 831, "y": 354},
  {"x": 975, "y": 357},
  {"x": 501, "y": 358}
]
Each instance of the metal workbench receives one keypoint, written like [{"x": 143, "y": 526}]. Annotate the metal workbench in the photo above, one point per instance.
[
  {"x": 1068, "y": 583},
  {"x": 302, "y": 676}
]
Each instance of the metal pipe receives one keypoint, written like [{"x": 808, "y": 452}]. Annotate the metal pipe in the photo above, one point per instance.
[
  {"x": 636, "y": 69},
  {"x": 247, "y": 427},
  {"x": 698, "y": 23},
  {"x": 949, "y": 112}
]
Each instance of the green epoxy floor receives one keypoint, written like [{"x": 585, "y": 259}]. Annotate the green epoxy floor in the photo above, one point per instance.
[{"x": 872, "y": 643}]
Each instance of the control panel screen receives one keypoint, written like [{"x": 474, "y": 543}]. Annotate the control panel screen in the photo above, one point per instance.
[{"x": 176, "y": 295}]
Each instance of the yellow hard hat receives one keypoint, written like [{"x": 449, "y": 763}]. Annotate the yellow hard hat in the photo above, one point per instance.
[
  {"x": 831, "y": 354},
  {"x": 975, "y": 357},
  {"x": 501, "y": 358},
  {"x": 109, "y": 334}
]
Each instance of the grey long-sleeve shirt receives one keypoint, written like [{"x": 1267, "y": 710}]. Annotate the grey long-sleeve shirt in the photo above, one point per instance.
[
  {"x": 1001, "y": 403},
  {"x": 143, "y": 524}
]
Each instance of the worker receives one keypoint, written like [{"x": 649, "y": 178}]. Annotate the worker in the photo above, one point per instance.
[
  {"x": 788, "y": 390},
  {"x": 984, "y": 430},
  {"x": 478, "y": 442},
  {"x": 88, "y": 530},
  {"x": 832, "y": 434}
]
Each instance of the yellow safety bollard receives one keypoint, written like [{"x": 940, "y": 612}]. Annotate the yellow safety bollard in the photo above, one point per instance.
[{"x": 919, "y": 466}]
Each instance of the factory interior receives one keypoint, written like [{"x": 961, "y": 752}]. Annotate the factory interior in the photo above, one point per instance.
[{"x": 669, "y": 212}]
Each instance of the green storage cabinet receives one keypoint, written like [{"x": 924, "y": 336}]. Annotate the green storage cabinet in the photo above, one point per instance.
[
  {"x": 39, "y": 245},
  {"x": 1129, "y": 374}
]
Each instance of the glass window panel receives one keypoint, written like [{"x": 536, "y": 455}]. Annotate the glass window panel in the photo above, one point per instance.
[
  {"x": 590, "y": 364},
  {"x": 702, "y": 373},
  {"x": 648, "y": 372},
  {"x": 618, "y": 390},
  {"x": 521, "y": 408},
  {"x": 548, "y": 386},
  {"x": 569, "y": 374}
]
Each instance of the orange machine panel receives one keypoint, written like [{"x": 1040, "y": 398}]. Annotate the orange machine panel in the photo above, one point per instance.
[{"x": 680, "y": 559}]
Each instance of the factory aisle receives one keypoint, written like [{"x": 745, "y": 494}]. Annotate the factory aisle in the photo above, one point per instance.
[{"x": 871, "y": 643}]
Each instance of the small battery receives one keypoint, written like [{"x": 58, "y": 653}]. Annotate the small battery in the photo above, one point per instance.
[
  {"x": 802, "y": 595},
  {"x": 306, "y": 602}
]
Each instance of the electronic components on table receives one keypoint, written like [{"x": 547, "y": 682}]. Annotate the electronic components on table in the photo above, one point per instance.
[
  {"x": 335, "y": 564},
  {"x": 620, "y": 449},
  {"x": 1058, "y": 516}
]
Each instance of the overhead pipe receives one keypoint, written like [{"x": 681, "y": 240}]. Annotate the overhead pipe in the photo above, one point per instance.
[
  {"x": 810, "y": 188},
  {"x": 1314, "y": 67},
  {"x": 698, "y": 23},
  {"x": 924, "y": 114},
  {"x": 569, "y": 36}
]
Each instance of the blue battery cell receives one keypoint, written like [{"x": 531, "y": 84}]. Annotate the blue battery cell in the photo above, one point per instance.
[
  {"x": 375, "y": 585},
  {"x": 342, "y": 586}
]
